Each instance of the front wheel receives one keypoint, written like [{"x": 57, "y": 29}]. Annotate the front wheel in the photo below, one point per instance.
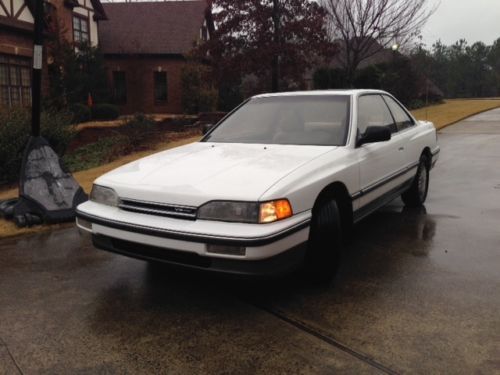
[
  {"x": 415, "y": 196},
  {"x": 324, "y": 245}
]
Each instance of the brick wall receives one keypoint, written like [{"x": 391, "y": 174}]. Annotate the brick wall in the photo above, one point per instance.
[{"x": 139, "y": 72}]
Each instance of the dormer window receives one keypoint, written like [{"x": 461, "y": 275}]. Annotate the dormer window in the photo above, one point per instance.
[{"x": 80, "y": 29}]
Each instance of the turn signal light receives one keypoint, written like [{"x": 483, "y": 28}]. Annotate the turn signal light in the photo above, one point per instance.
[{"x": 275, "y": 210}]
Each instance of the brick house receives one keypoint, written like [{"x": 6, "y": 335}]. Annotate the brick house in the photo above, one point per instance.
[
  {"x": 145, "y": 46},
  {"x": 76, "y": 21}
]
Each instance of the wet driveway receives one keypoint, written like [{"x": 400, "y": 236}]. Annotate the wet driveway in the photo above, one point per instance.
[{"x": 418, "y": 292}]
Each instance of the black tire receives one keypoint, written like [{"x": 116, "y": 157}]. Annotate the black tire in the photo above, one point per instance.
[
  {"x": 415, "y": 196},
  {"x": 325, "y": 243}
]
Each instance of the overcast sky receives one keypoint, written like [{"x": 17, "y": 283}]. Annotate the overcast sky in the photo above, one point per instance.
[{"x": 473, "y": 20}]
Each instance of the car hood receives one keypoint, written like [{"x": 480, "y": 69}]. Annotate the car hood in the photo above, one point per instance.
[{"x": 202, "y": 171}]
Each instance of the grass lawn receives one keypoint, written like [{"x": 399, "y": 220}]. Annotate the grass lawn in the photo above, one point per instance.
[
  {"x": 441, "y": 115},
  {"x": 452, "y": 111}
]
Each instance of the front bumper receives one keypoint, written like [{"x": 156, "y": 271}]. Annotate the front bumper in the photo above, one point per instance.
[
  {"x": 276, "y": 265},
  {"x": 266, "y": 248}
]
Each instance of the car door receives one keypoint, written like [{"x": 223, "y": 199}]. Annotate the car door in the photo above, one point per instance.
[
  {"x": 407, "y": 130},
  {"x": 380, "y": 162}
]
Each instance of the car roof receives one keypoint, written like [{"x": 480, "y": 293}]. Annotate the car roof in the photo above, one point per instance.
[{"x": 321, "y": 92}]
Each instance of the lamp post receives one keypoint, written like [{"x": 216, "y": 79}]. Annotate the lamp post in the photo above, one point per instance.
[
  {"x": 276, "y": 58},
  {"x": 36, "y": 85},
  {"x": 394, "y": 48},
  {"x": 47, "y": 191}
]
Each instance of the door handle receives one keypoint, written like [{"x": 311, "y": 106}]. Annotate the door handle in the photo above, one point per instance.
[{"x": 401, "y": 148}]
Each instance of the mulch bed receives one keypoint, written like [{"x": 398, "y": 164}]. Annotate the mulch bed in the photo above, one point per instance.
[{"x": 170, "y": 128}]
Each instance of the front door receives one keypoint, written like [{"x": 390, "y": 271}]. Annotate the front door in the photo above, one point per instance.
[{"x": 379, "y": 163}]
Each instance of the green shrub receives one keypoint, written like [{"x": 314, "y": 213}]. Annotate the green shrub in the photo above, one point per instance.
[
  {"x": 198, "y": 95},
  {"x": 13, "y": 136},
  {"x": 138, "y": 129},
  {"x": 231, "y": 94},
  {"x": 103, "y": 151},
  {"x": 181, "y": 121},
  {"x": 105, "y": 112},
  {"x": 370, "y": 77},
  {"x": 416, "y": 104},
  {"x": 134, "y": 134},
  {"x": 15, "y": 128},
  {"x": 326, "y": 78},
  {"x": 207, "y": 101},
  {"x": 81, "y": 113}
]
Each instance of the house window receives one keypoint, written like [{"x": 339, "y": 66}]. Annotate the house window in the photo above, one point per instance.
[
  {"x": 80, "y": 29},
  {"x": 161, "y": 87},
  {"x": 15, "y": 81},
  {"x": 120, "y": 87}
]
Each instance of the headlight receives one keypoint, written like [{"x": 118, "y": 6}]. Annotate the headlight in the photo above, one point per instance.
[
  {"x": 246, "y": 212},
  {"x": 242, "y": 212},
  {"x": 104, "y": 195}
]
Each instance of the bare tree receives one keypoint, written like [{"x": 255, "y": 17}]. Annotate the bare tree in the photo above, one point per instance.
[{"x": 365, "y": 27}]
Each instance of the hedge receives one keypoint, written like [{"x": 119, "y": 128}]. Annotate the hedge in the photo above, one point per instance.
[
  {"x": 15, "y": 128},
  {"x": 81, "y": 113},
  {"x": 105, "y": 112}
]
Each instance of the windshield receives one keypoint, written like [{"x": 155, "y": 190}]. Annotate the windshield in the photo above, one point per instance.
[{"x": 287, "y": 120}]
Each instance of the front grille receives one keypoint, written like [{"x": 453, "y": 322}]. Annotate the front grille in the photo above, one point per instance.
[{"x": 159, "y": 209}]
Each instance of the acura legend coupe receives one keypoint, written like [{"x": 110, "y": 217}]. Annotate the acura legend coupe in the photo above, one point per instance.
[{"x": 274, "y": 185}]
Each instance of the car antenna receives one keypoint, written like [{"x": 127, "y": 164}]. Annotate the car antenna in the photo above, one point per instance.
[{"x": 426, "y": 98}]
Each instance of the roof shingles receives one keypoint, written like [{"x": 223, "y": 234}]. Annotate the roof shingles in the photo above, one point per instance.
[{"x": 168, "y": 27}]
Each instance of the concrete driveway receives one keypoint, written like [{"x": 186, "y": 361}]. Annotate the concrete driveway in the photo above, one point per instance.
[{"x": 418, "y": 292}]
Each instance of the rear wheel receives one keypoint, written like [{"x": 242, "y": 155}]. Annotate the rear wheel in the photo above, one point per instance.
[
  {"x": 324, "y": 245},
  {"x": 415, "y": 196}
]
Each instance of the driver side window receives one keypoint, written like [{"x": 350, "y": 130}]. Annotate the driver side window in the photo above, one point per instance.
[{"x": 372, "y": 111}]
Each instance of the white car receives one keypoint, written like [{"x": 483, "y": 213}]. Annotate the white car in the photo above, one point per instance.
[{"x": 276, "y": 184}]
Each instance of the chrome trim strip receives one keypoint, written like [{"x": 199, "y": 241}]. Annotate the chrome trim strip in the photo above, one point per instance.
[
  {"x": 383, "y": 181},
  {"x": 385, "y": 198},
  {"x": 157, "y": 203},
  {"x": 158, "y": 209},
  {"x": 151, "y": 211},
  {"x": 357, "y": 195}
]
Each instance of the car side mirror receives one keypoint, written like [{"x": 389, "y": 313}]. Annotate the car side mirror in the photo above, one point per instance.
[
  {"x": 375, "y": 134},
  {"x": 206, "y": 128}
]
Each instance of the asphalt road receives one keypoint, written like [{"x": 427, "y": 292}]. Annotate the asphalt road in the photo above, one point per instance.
[{"x": 418, "y": 292}]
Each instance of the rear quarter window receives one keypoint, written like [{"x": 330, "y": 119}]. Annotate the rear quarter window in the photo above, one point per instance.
[{"x": 403, "y": 120}]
